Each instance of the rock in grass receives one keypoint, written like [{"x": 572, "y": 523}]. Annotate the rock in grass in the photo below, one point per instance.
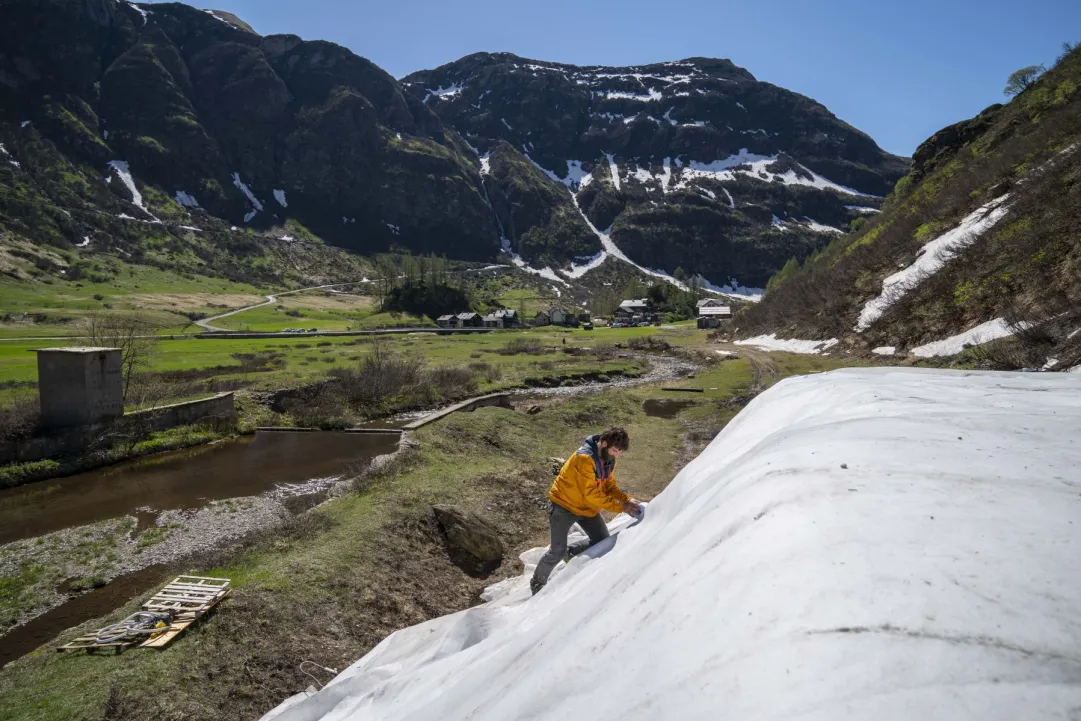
[{"x": 473, "y": 544}]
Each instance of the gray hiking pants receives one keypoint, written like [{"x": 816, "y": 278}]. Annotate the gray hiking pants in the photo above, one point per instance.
[{"x": 560, "y": 521}]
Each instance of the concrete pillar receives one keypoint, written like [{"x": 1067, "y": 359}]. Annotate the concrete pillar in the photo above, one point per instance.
[{"x": 79, "y": 386}]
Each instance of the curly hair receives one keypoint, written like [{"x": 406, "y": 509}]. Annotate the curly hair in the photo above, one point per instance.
[{"x": 616, "y": 438}]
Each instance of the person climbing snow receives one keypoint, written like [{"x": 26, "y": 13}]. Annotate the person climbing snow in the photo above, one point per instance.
[{"x": 585, "y": 486}]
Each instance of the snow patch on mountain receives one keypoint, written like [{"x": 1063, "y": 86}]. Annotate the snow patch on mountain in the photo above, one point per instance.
[
  {"x": 931, "y": 258},
  {"x": 733, "y": 289},
  {"x": 772, "y": 343},
  {"x": 220, "y": 19},
  {"x": 983, "y": 333},
  {"x": 144, "y": 13},
  {"x": 613, "y": 170},
  {"x": 441, "y": 92},
  {"x": 186, "y": 199},
  {"x": 256, "y": 205},
  {"x": 820, "y": 228},
  {"x": 124, "y": 173},
  {"x": 279, "y": 195},
  {"x": 621, "y": 95}
]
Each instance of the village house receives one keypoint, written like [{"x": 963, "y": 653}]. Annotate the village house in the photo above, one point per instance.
[
  {"x": 632, "y": 312},
  {"x": 556, "y": 316},
  {"x": 505, "y": 318},
  {"x": 712, "y": 316},
  {"x": 447, "y": 321},
  {"x": 469, "y": 320}
]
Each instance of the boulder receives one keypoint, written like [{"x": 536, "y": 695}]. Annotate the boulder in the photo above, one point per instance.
[{"x": 473, "y": 544}]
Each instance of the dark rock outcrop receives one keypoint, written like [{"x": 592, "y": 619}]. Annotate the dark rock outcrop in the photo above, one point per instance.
[{"x": 471, "y": 541}]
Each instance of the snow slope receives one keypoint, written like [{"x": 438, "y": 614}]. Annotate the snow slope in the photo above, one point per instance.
[
  {"x": 931, "y": 258},
  {"x": 863, "y": 544},
  {"x": 983, "y": 333},
  {"x": 790, "y": 345}
]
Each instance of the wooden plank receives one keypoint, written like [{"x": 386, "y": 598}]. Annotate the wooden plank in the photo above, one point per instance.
[
  {"x": 163, "y": 598},
  {"x": 176, "y": 628},
  {"x": 187, "y": 598}
]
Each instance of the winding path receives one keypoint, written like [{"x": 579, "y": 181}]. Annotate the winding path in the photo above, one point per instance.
[{"x": 205, "y": 323}]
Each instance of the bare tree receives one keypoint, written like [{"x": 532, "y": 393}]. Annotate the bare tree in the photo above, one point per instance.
[
  {"x": 1023, "y": 79},
  {"x": 134, "y": 334}
]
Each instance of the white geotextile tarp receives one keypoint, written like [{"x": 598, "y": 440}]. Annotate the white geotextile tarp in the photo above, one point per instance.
[{"x": 863, "y": 544}]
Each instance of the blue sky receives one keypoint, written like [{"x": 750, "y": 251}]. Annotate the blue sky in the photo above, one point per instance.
[{"x": 896, "y": 69}]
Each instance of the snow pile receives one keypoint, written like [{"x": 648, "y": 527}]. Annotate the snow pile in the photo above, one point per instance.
[
  {"x": 862, "y": 209},
  {"x": 931, "y": 258},
  {"x": 864, "y": 544},
  {"x": 256, "y": 205},
  {"x": 772, "y": 343},
  {"x": 279, "y": 195},
  {"x": 4, "y": 150},
  {"x": 983, "y": 333},
  {"x": 485, "y": 164},
  {"x": 186, "y": 199},
  {"x": 884, "y": 350}
]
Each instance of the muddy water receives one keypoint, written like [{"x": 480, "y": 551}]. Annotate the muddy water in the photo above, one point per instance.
[
  {"x": 665, "y": 407},
  {"x": 184, "y": 479},
  {"x": 94, "y": 604}
]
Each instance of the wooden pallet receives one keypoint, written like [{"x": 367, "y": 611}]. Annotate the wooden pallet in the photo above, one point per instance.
[{"x": 188, "y": 598}]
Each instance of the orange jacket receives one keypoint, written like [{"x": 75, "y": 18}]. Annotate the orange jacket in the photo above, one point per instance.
[{"x": 585, "y": 486}]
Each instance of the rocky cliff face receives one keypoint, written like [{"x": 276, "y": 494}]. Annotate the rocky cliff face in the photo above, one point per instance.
[
  {"x": 692, "y": 164},
  {"x": 204, "y": 114},
  {"x": 123, "y": 123}
]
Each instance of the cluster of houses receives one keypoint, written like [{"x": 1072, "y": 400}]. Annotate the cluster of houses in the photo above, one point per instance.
[
  {"x": 561, "y": 316},
  {"x": 711, "y": 313},
  {"x": 508, "y": 318},
  {"x": 499, "y": 319}
]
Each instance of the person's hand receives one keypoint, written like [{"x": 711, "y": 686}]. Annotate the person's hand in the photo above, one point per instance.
[{"x": 631, "y": 507}]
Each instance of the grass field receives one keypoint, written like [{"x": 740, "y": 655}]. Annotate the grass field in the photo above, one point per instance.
[
  {"x": 306, "y": 358},
  {"x": 55, "y": 308}
]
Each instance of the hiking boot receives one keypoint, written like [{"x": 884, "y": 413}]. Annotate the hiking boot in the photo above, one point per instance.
[{"x": 535, "y": 585}]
